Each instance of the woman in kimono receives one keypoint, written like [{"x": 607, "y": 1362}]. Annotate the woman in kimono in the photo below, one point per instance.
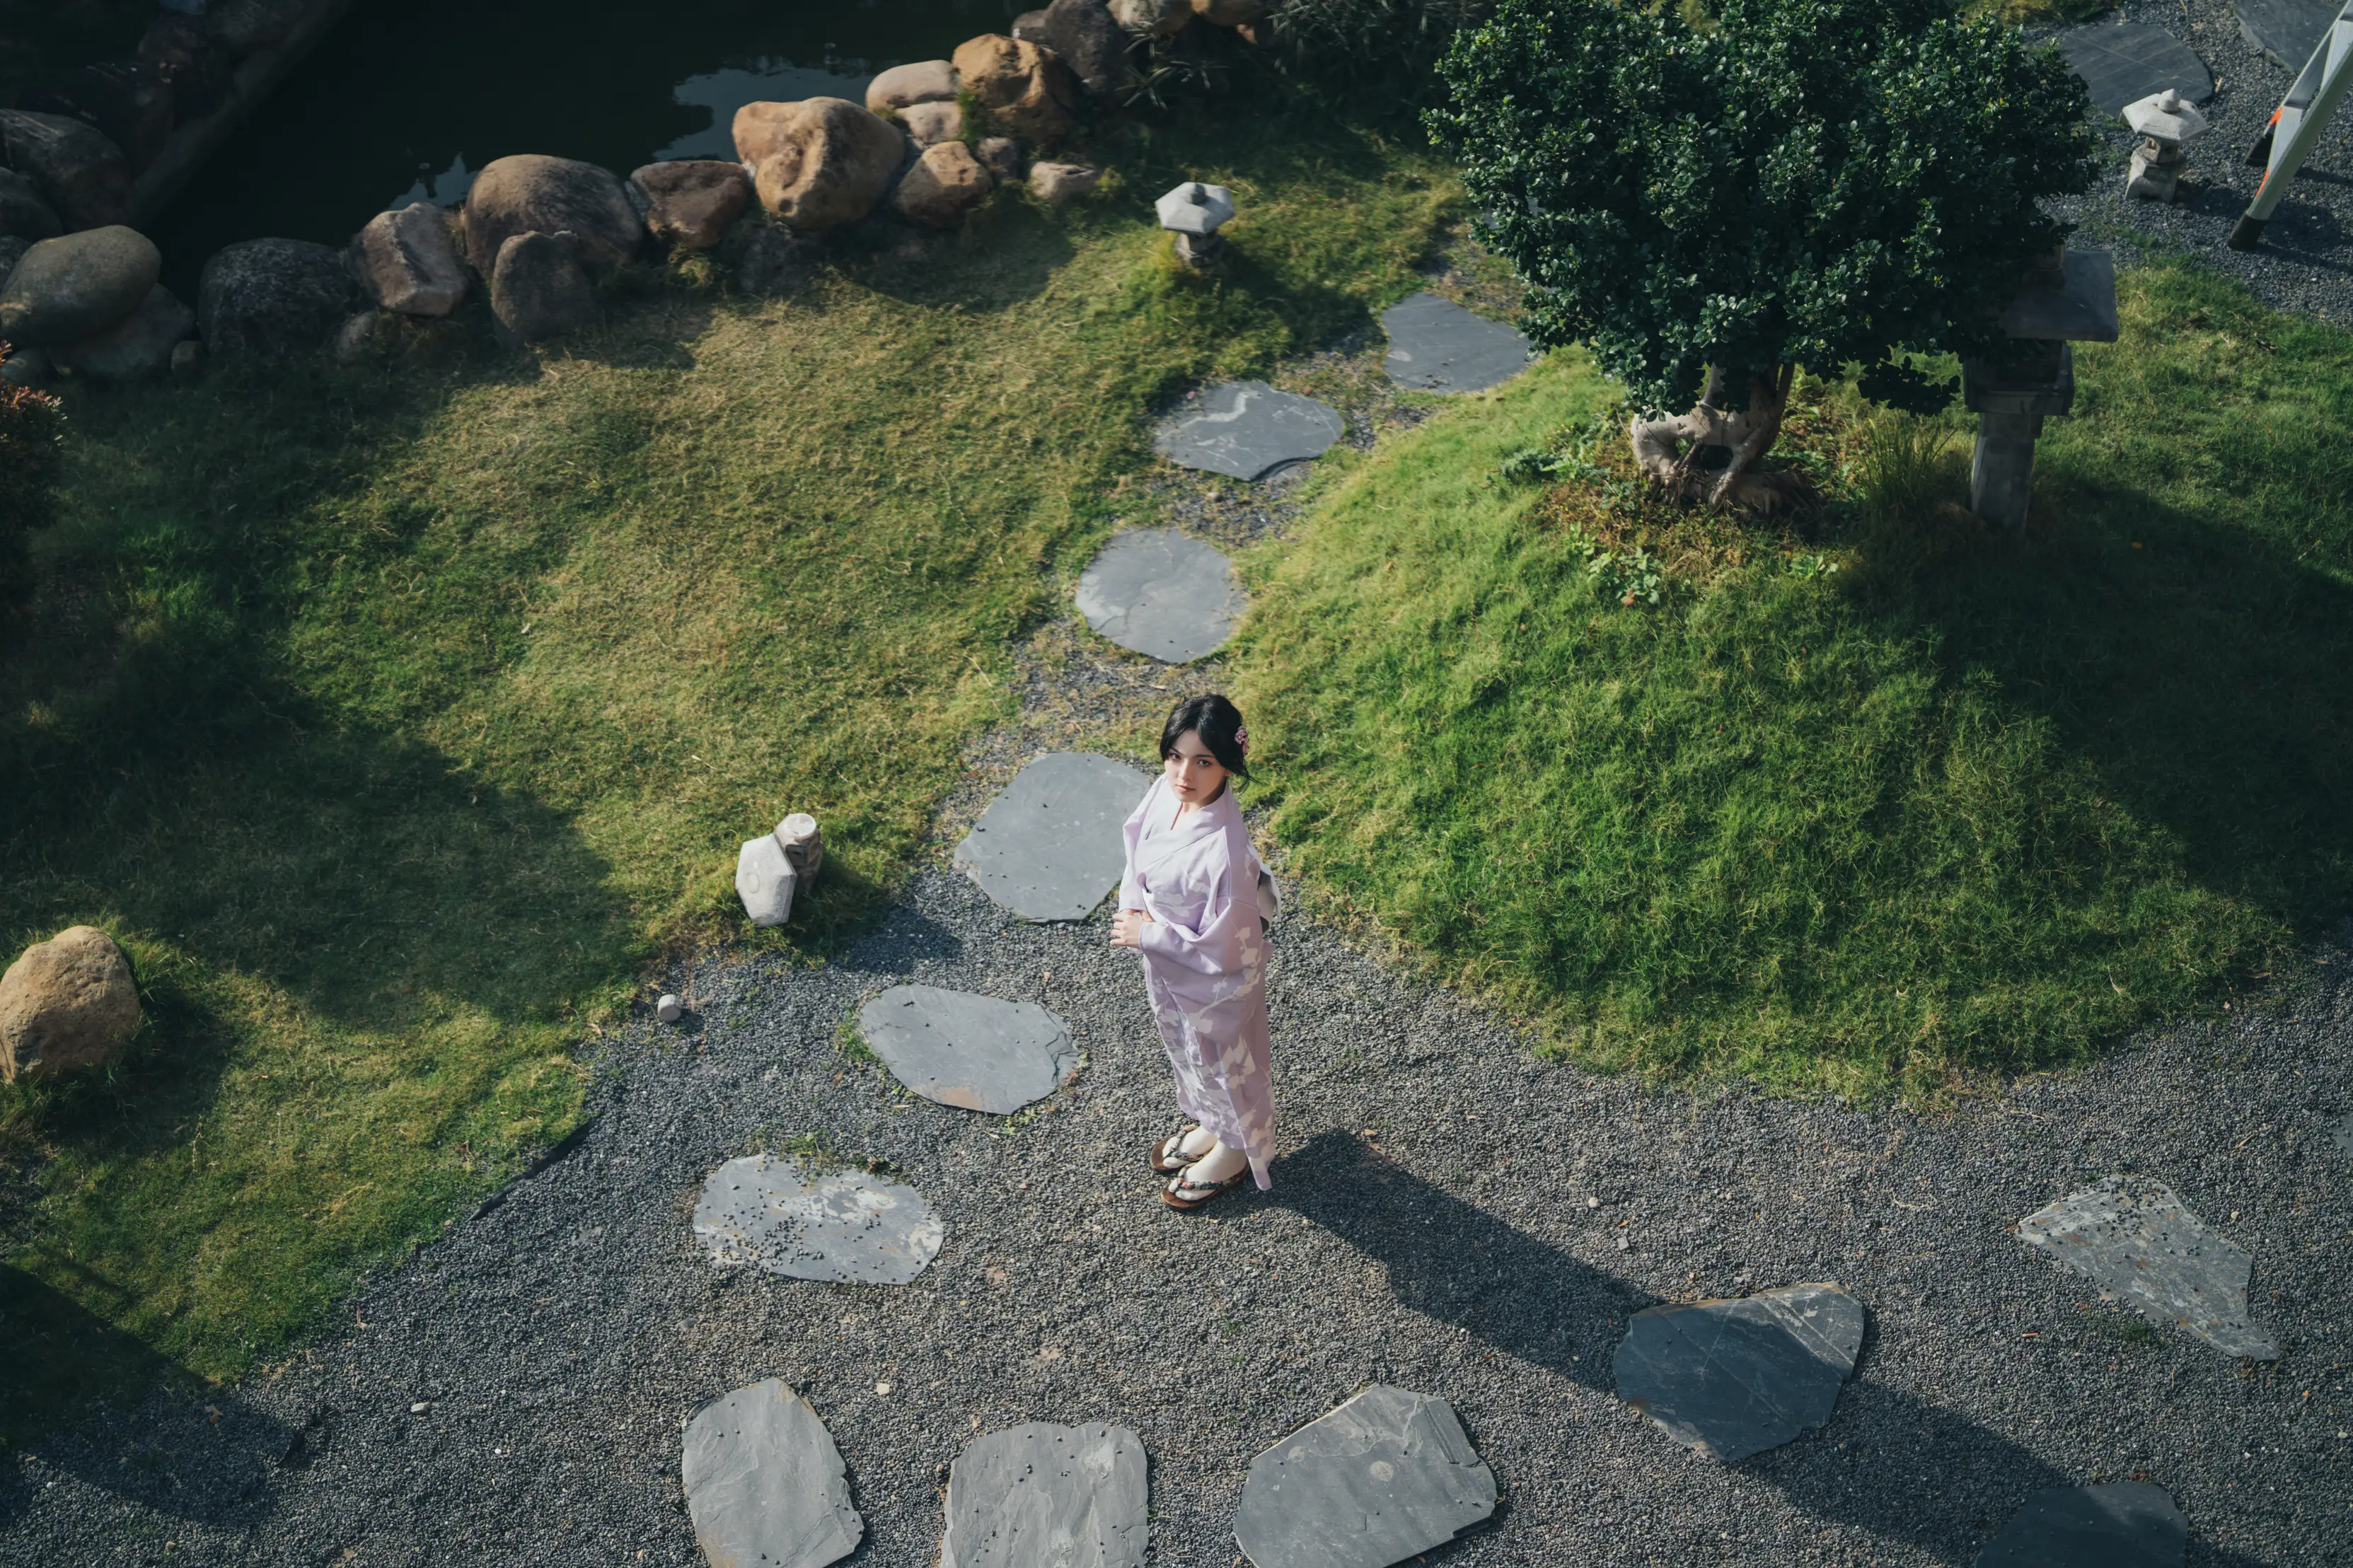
[{"x": 1196, "y": 902}]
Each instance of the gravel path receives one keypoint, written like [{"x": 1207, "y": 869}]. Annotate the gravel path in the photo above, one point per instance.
[
  {"x": 2306, "y": 263},
  {"x": 1449, "y": 1215}
]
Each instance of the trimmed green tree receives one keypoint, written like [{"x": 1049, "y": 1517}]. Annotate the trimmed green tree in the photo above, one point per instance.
[{"x": 1829, "y": 184}]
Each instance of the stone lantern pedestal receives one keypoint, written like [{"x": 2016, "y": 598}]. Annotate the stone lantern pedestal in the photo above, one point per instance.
[
  {"x": 2071, "y": 299},
  {"x": 2170, "y": 125},
  {"x": 1194, "y": 213}
]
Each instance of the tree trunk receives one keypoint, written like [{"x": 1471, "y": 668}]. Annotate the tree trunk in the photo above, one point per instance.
[{"x": 1682, "y": 454}]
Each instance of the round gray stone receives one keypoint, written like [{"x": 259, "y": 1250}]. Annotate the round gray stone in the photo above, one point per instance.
[
  {"x": 1246, "y": 428},
  {"x": 138, "y": 347},
  {"x": 2124, "y": 62},
  {"x": 765, "y": 1484},
  {"x": 847, "y": 1227},
  {"x": 1049, "y": 847},
  {"x": 2287, "y": 30},
  {"x": 2121, "y": 1524},
  {"x": 2138, "y": 1241},
  {"x": 1734, "y": 1378},
  {"x": 1436, "y": 345},
  {"x": 1161, "y": 592},
  {"x": 1044, "y": 1496},
  {"x": 77, "y": 286},
  {"x": 1385, "y": 1477},
  {"x": 977, "y": 1053}
]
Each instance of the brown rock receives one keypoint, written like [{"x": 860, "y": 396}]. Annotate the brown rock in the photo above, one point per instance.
[
  {"x": 947, "y": 183},
  {"x": 932, "y": 124},
  {"x": 1160, "y": 18},
  {"x": 529, "y": 194},
  {"x": 78, "y": 171},
  {"x": 405, "y": 261},
  {"x": 1057, "y": 183},
  {"x": 1230, "y": 13},
  {"x": 539, "y": 288},
  {"x": 923, "y": 81},
  {"x": 1001, "y": 155},
  {"x": 693, "y": 201},
  {"x": 1019, "y": 84},
  {"x": 820, "y": 162},
  {"x": 67, "y": 1003}
]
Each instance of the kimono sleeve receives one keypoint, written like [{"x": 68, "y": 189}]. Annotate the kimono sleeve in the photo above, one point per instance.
[
  {"x": 1218, "y": 947},
  {"x": 1131, "y": 887}
]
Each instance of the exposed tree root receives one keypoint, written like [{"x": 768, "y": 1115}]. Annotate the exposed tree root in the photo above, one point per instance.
[{"x": 1676, "y": 452}]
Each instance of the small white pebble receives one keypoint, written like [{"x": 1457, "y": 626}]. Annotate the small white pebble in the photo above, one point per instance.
[
  {"x": 668, "y": 1009},
  {"x": 1593, "y": 1203},
  {"x": 419, "y": 1408},
  {"x": 881, "y": 1388}
]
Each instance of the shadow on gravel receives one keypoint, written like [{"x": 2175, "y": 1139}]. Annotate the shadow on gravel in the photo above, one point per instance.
[
  {"x": 1887, "y": 1463},
  {"x": 207, "y": 1457}
]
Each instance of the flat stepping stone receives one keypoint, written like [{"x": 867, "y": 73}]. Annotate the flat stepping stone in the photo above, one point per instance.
[
  {"x": 765, "y": 1484},
  {"x": 1384, "y": 1478},
  {"x": 1436, "y": 345},
  {"x": 2121, "y": 1524},
  {"x": 1247, "y": 429},
  {"x": 2344, "y": 1135},
  {"x": 2287, "y": 30},
  {"x": 1158, "y": 592},
  {"x": 848, "y": 1226},
  {"x": 1734, "y": 1378},
  {"x": 977, "y": 1053},
  {"x": 2141, "y": 1244},
  {"x": 2124, "y": 62},
  {"x": 1049, "y": 847},
  {"x": 1043, "y": 1496}
]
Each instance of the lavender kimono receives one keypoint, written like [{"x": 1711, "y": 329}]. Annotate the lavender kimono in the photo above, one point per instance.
[{"x": 1205, "y": 963}]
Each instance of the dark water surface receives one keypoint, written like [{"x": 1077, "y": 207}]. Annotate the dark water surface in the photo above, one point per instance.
[{"x": 406, "y": 99}]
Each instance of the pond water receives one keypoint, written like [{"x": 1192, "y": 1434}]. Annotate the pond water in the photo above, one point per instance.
[{"x": 406, "y": 99}]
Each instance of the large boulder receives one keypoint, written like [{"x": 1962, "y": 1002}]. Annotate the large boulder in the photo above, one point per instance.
[
  {"x": 532, "y": 194},
  {"x": 247, "y": 27},
  {"x": 945, "y": 182},
  {"x": 12, "y": 251},
  {"x": 1029, "y": 28},
  {"x": 1019, "y": 84},
  {"x": 1230, "y": 13},
  {"x": 273, "y": 297},
  {"x": 692, "y": 202},
  {"x": 23, "y": 214},
  {"x": 772, "y": 261},
  {"x": 820, "y": 162},
  {"x": 539, "y": 288},
  {"x": 929, "y": 124},
  {"x": 1093, "y": 45},
  {"x": 920, "y": 81},
  {"x": 78, "y": 286},
  {"x": 125, "y": 101},
  {"x": 405, "y": 261},
  {"x": 136, "y": 348},
  {"x": 78, "y": 171},
  {"x": 67, "y": 1003},
  {"x": 1160, "y": 18},
  {"x": 200, "y": 71}
]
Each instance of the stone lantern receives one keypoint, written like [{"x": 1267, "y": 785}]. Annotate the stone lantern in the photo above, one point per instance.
[
  {"x": 2169, "y": 124},
  {"x": 2070, "y": 298},
  {"x": 1194, "y": 213}
]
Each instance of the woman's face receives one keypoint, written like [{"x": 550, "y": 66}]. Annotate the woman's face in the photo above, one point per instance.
[{"x": 1192, "y": 772}]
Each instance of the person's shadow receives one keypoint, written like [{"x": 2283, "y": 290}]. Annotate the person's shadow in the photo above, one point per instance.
[{"x": 1932, "y": 1478}]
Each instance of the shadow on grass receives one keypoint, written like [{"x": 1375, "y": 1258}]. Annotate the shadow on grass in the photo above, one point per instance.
[
  {"x": 1936, "y": 1480},
  {"x": 210, "y": 1457}
]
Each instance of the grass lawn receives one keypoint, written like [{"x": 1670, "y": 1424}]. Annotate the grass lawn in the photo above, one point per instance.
[
  {"x": 1966, "y": 803},
  {"x": 394, "y": 717}
]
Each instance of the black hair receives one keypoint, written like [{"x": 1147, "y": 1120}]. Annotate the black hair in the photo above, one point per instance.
[{"x": 1219, "y": 724}]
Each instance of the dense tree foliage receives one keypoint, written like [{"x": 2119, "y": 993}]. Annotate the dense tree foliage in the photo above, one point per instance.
[{"x": 1822, "y": 183}]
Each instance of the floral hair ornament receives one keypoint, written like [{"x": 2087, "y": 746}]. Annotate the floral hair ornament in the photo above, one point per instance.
[{"x": 1242, "y": 739}]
